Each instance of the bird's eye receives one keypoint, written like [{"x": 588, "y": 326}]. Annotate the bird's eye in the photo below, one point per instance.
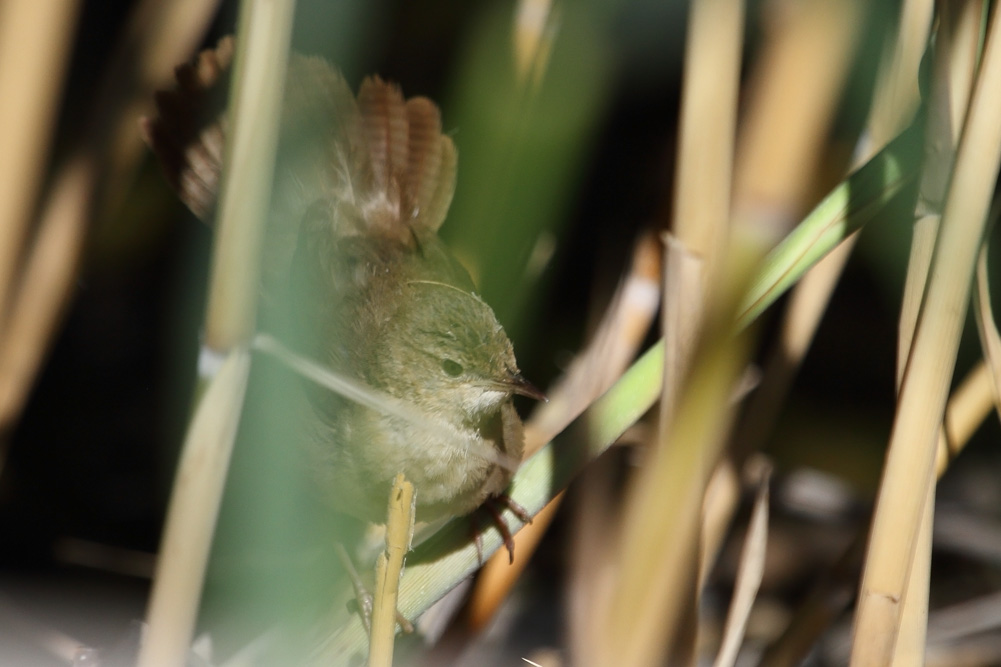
[{"x": 451, "y": 368}]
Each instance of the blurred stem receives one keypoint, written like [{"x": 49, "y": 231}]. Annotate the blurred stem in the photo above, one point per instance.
[
  {"x": 157, "y": 36},
  {"x": 895, "y": 100},
  {"x": 855, "y": 201},
  {"x": 693, "y": 270},
  {"x": 261, "y": 60},
  {"x": 191, "y": 518},
  {"x": 263, "y": 38},
  {"x": 35, "y": 41},
  {"x": 808, "y": 46}
]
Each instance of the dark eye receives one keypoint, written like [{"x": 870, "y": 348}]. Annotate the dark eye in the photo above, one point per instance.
[{"x": 451, "y": 368}]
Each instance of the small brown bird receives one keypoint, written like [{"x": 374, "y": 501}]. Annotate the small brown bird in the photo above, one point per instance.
[{"x": 354, "y": 262}]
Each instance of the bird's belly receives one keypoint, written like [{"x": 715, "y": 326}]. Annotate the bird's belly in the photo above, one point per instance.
[
  {"x": 448, "y": 473},
  {"x": 452, "y": 472}
]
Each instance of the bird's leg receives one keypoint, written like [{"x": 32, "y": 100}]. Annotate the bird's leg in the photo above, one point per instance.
[
  {"x": 495, "y": 506},
  {"x": 363, "y": 600}
]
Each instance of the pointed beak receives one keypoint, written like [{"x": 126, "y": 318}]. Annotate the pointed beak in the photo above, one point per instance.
[{"x": 520, "y": 385}]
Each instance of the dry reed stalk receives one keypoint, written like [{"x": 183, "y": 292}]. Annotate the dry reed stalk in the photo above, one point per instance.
[
  {"x": 721, "y": 501},
  {"x": 807, "y": 50},
  {"x": 681, "y": 315},
  {"x": 263, "y": 40},
  {"x": 990, "y": 340},
  {"x": 35, "y": 41},
  {"x": 948, "y": 100},
  {"x": 700, "y": 236},
  {"x": 656, "y": 561},
  {"x": 910, "y": 459},
  {"x": 701, "y": 213},
  {"x": 187, "y": 534},
  {"x": 897, "y": 95},
  {"x": 956, "y": 48},
  {"x": 157, "y": 36},
  {"x": 616, "y": 340},
  {"x": 44, "y": 289},
  {"x": 792, "y": 95},
  {"x": 389, "y": 566},
  {"x": 895, "y": 100},
  {"x": 707, "y": 126},
  {"x": 968, "y": 407},
  {"x": 534, "y": 27},
  {"x": 910, "y": 646},
  {"x": 750, "y": 571},
  {"x": 259, "y": 78}
]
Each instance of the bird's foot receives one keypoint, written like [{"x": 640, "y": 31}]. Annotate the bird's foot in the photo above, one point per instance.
[
  {"x": 495, "y": 506},
  {"x": 363, "y": 602}
]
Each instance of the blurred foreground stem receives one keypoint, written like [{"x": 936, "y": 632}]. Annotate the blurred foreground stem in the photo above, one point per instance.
[{"x": 263, "y": 39}]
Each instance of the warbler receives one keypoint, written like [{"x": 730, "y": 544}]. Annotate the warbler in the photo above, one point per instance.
[{"x": 354, "y": 265}]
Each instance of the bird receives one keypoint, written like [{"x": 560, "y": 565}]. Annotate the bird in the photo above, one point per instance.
[{"x": 356, "y": 278}]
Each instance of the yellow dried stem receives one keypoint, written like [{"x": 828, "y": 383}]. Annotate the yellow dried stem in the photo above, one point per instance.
[
  {"x": 949, "y": 97},
  {"x": 657, "y": 559},
  {"x": 957, "y": 43},
  {"x": 700, "y": 224},
  {"x": 707, "y": 122},
  {"x": 911, "y": 454},
  {"x": 721, "y": 501},
  {"x": 968, "y": 407},
  {"x": 681, "y": 317},
  {"x": 750, "y": 571},
  {"x": 261, "y": 60},
  {"x": 158, "y": 36},
  {"x": 792, "y": 94},
  {"x": 897, "y": 94},
  {"x": 623, "y": 327},
  {"x": 166, "y": 30},
  {"x": 399, "y": 533},
  {"x": 910, "y": 646},
  {"x": 263, "y": 38},
  {"x": 532, "y": 39},
  {"x": 50, "y": 270},
  {"x": 990, "y": 340},
  {"x": 35, "y": 40},
  {"x": 191, "y": 518},
  {"x": 918, "y": 264},
  {"x": 896, "y": 98},
  {"x": 706, "y": 126},
  {"x": 656, "y": 555}
]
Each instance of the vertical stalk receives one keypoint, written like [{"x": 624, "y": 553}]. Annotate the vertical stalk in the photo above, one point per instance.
[
  {"x": 263, "y": 39},
  {"x": 909, "y": 465}
]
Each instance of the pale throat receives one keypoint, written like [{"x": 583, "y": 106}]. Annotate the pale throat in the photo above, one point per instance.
[{"x": 478, "y": 402}]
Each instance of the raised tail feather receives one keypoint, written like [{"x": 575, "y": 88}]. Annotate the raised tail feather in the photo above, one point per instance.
[{"x": 381, "y": 161}]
